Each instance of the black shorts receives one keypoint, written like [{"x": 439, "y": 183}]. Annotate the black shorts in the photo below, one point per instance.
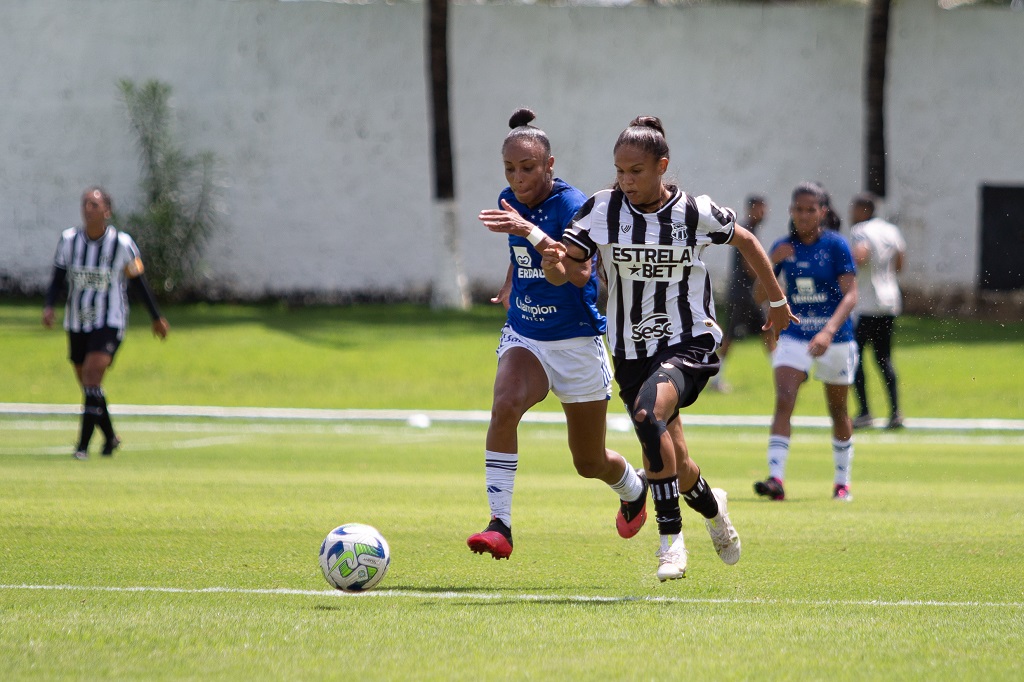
[
  {"x": 103, "y": 340},
  {"x": 696, "y": 359}
]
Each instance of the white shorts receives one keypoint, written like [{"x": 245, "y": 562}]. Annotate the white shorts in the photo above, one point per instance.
[
  {"x": 578, "y": 369},
  {"x": 836, "y": 365}
]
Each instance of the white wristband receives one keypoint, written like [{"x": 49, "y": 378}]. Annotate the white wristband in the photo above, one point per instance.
[
  {"x": 777, "y": 304},
  {"x": 536, "y": 236}
]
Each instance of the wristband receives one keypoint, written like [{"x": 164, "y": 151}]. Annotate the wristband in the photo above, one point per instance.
[
  {"x": 536, "y": 236},
  {"x": 778, "y": 304}
]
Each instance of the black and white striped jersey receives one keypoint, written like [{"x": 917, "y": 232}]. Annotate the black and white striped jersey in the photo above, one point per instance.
[
  {"x": 97, "y": 282},
  {"x": 659, "y": 290}
]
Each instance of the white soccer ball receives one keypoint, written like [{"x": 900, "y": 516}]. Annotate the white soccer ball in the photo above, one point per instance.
[{"x": 354, "y": 557}]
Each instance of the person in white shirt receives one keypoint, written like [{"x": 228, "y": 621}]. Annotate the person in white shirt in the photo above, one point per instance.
[{"x": 878, "y": 251}]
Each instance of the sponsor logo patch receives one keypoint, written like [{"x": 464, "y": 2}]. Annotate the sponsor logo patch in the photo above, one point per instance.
[{"x": 656, "y": 326}]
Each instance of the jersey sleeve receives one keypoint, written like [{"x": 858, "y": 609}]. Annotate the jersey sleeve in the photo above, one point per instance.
[
  {"x": 717, "y": 222},
  {"x": 63, "y": 253},
  {"x": 127, "y": 254},
  {"x": 578, "y": 230}
]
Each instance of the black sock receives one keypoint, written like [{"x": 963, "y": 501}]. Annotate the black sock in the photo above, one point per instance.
[
  {"x": 90, "y": 415},
  {"x": 103, "y": 418},
  {"x": 665, "y": 493},
  {"x": 700, "y": 499}
]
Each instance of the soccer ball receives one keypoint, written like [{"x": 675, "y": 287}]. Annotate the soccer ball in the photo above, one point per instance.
[{"x": 354, "y": 557}]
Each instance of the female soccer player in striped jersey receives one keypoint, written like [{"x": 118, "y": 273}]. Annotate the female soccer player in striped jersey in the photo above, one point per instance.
[
  {"x": 97, "y": 262},
  {"x": 551, "y": 342},
  {"x": 819, "y": 273},
  {"x": 661, "y": 319}
]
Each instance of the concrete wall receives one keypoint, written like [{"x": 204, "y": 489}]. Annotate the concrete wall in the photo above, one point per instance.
[{"x": 318, "y": 112}]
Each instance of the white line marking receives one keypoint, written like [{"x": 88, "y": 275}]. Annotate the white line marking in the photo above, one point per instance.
[
  {"x": 491, "y": 596},
  {"x": 616, "y": 422}
]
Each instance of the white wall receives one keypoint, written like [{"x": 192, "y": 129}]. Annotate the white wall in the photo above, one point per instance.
[{"x": 319, "y": 114}]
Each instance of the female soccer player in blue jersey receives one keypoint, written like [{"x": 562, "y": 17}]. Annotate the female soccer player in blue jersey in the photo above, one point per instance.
[
  {"x": 97, "y": 262},
  {"x": 661, "y": 319},
  {"x": 551, "y": 342},
  {"x": 819, "y": 276}
]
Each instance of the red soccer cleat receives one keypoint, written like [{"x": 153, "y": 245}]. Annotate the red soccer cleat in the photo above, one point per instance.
[{"x": 496, "y": 539}]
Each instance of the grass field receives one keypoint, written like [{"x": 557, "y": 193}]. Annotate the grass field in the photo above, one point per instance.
[{"x": 192, "y": 553}]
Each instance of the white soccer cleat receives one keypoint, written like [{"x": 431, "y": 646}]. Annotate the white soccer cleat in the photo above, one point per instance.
[
  {"x": 672, "y": 562},
  {"x": 723, "y": 535}
]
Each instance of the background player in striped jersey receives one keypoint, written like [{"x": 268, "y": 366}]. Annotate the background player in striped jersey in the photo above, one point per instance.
[
  {"x": 661, "y": 319},
  {"x": 97, "y": 262},
  {"x": 820, "y": 279},
  {"x": 551, "y": 342}
]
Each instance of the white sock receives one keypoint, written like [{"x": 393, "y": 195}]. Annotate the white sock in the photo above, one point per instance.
[
  {"x": 778, "y": 453},
  {"x": 500, "y": 475},
  {"x": 629, "y": 486},
  {"x": 842, "y": 455},
  {"x": 673, "y": 541}
]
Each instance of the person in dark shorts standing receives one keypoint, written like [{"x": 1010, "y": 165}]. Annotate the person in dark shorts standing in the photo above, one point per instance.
[
  {"x": 98, "y": 263},
  {"x": 744, "y": 316},
  {"x": 661, "y": 320}
]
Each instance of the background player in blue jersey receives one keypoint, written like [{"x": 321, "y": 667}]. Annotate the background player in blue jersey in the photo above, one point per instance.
[
  {"x": 97, "y": 262},
  {"x": 551, "y": 342},
  {"x": 819, "y": 277}
]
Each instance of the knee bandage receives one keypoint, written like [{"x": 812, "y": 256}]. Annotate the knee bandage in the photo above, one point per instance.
[{"x": 649, "y": 428}]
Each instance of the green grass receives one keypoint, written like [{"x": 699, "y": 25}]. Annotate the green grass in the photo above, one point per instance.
[
  {"x": 410, "y": 357},
  {"x": 919, "y": 578}
]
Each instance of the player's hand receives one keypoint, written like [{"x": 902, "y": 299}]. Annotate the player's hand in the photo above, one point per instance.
[
  {"x": 48, "y": 317},
  {"x": 161, "y": 328},
  {"x": 782, "y": 252},
  {"x": 778, "y": 319},
  {"x": 819, "y": 344},
  {"x": 505, "y": 220},
  {"x": 503, "y": 295}
]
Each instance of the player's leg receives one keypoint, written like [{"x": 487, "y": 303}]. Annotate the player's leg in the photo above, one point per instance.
[
  {"x": 834, "y": 369},
  {"x": 882, "y": 345},
  {"x": 519, "y": 383},
  {"x": 863, "y": 335},
  {"x": 94, "y": 409},
  {"x": 654, "y": 406},
  {"x": 788, "y": 381}
]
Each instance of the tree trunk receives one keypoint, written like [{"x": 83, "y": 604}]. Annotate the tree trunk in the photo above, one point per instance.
[
  {"x": 449, "y": 283},
  {"x": 876, "y": 50}
]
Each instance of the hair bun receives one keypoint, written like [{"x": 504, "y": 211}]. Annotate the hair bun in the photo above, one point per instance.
[
  {"x": 522, "y": 117},
  {"x": 648, "y": 122}
]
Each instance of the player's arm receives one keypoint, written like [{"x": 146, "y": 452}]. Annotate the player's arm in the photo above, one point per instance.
[
  {"x": 823, "y": 339},
  {"x": 779, "y": 314},
  {"x": 57, "y": 281},
  {"x": 506, "y": 220},
  {"x": 572, "y": 259},
  {"x": 140, "y": 287},
  {"x": 505, "y": 292},
  {"x": 861, "y": 253}
]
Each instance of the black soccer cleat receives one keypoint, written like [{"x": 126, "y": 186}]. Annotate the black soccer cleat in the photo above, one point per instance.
[
  {"x": 110, "y": 446},
  {"x": 771, "y": 488}
]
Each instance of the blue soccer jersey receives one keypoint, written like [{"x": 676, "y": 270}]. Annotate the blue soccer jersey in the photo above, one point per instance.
[
  {"x": 810, "y": 279},
  {"x": 538, "y": 309}
]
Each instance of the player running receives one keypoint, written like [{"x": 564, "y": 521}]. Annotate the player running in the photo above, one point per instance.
[
  {"x": 97, "y": 262},
  {"x": 550, "y": 342},
  {"x": 820, "y": 278},
  {"x": 661, "y": 319}
]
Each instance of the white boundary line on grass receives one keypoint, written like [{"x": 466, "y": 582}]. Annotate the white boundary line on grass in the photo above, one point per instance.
[
  {"x": 491, "y": 596},
  {"x": 615, "y": 422}
]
